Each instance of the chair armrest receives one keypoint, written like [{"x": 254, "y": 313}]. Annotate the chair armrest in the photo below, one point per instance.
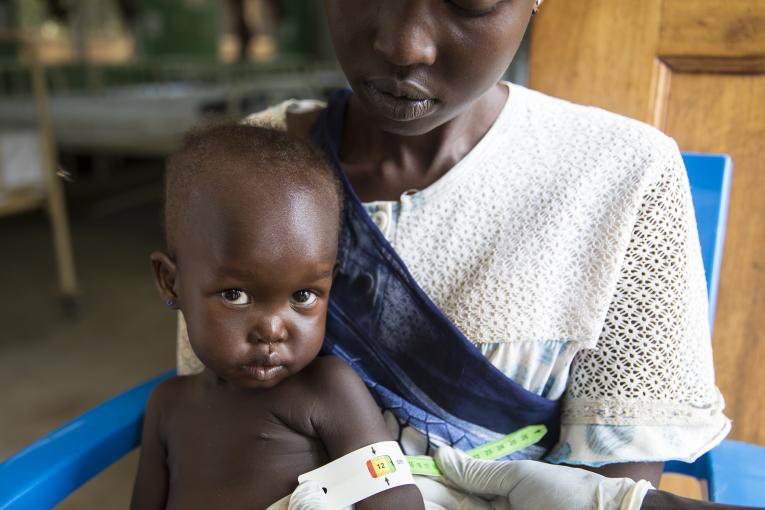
[
  {"x": 737, "y": 474},
  {"x": 44, "y": 473},
  {"x": 734, "y": 471},
  {"x": 699, "y": 469}
]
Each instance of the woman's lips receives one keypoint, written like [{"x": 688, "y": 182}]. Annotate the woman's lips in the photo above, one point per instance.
[
  {"x": 399, "y": 100},
  {"x": 406, "y": 89}
]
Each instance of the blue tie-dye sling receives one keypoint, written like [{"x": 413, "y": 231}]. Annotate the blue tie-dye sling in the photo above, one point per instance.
[{"x": 416, "y": 363}]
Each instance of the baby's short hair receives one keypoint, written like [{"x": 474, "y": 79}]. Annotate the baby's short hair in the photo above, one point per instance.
[{"x": 232, "y": 155}]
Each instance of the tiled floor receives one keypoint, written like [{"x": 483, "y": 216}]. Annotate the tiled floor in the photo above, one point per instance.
[{"x": 53, "y": 368}]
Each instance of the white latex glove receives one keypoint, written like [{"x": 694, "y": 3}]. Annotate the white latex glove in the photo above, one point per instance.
[
  {"x": 308, "y": 496},
  {"x": 534, "y": 485},
  {"x": 438, "y": 496}
]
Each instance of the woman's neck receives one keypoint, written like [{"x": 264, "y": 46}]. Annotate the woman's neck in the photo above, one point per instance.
[{"x": 382, "y": 165}]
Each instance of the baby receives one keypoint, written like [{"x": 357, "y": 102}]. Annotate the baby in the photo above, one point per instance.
[{"x": 252, "y": 218}]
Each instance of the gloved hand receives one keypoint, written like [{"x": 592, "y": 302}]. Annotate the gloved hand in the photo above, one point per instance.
[
  {"x": 308, "y": 496},
  {"x": 532, "y": 485}
]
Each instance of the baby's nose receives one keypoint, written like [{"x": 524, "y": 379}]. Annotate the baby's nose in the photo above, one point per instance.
[{"x": 268, "y": 329}]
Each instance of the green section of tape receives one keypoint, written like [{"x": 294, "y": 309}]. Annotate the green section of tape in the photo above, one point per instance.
[
  {"x": 423, "y": 465},
  {"x": 518, "y": 440}
]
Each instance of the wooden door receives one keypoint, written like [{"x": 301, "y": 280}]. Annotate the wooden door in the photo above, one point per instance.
[{"x": 696, "y": 70}]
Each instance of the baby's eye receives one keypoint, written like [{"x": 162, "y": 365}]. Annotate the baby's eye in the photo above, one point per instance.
[
  {"x": 235, "y": 296},
  {"x": 304, "y": 298}
]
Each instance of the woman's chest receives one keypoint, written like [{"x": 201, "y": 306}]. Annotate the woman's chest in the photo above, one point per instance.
[
  {"x": 388, "y": 181},
  {"x": 511, "y": 258}
]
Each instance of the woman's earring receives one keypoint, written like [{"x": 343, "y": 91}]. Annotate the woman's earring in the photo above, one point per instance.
[
  {"x": 170, "y": 303},
  {"x": 536, "y": 7}
]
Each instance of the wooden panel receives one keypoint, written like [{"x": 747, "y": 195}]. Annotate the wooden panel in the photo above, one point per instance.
[
  {"x": 713, "y": 28},
  {"x": 726, "y": 113},
  {"x": 736, "y": 65},
  {"x": 683, "y": 485},
  {"x": 696, "y": 69},
  {"x": 588, "y": 51}
]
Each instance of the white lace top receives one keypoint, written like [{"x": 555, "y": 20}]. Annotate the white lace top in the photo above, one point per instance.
[{"x": 564, "y": 245}]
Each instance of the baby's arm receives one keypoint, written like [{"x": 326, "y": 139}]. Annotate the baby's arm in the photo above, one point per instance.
[
  {"x": 150, "y": 489},
  {"x": 349, "y": 419}
]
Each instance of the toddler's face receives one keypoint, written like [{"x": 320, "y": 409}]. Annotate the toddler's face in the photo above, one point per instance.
[{"x": 253, "y": 280}]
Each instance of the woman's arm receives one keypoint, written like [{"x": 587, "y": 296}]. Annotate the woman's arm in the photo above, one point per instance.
[
  {"x": 150, "y": 489},
  {"x": 639, "y": 395},
  {"x": 349, "y": 419},
  {"x": 660, "y": 500},
  {"x": 650, "y": 471},
  {"x": 530, "y": 485}
]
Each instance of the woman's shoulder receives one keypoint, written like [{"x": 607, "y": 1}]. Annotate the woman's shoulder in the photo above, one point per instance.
[
  {"x": 296, "y": 116},
  {"x": 593, "y": 133}
]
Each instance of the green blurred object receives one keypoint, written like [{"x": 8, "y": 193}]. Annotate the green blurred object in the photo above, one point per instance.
[
  {"x": 8, "y": 49},
  {"x": 183, "y": 28},
  {"x": 8, "y": 24},
  {"x": 303, "y": 32}
]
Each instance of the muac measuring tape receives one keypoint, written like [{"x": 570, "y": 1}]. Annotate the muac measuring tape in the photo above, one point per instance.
[
  {"x": 382, "y": 466},
  {"x": 511, "y": 443}
]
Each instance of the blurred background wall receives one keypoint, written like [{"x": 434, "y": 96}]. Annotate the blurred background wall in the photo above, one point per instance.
[{"x": 93, "y": 95}]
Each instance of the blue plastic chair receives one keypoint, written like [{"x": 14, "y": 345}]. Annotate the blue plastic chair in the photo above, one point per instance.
[
  {"x": 44, "y": 473},
  {"x": 734, "y": 471}
]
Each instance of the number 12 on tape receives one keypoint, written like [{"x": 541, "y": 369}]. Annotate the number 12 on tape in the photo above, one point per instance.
[{"x": 381, "y": 466}]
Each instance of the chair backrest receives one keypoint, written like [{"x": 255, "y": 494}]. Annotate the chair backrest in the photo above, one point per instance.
[{"x": 709, "y": 176}]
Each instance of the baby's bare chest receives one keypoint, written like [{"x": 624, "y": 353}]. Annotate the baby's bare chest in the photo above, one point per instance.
[{"x": 237, "y": 455}]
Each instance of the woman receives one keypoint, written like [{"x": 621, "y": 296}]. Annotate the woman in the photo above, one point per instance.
[{"x": 558, "y": 240}]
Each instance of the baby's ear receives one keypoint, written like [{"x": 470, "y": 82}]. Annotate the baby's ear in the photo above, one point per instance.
[{"x": 165, "y": 277}]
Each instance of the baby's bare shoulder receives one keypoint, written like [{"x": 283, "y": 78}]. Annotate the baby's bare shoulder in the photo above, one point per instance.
[
  {"x": 331, "y": 374},
  {"x": 336, "y": 388},
  {"x": 167, "y": 395}
]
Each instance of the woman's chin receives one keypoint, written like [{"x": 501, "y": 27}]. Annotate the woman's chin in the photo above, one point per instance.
[{"x": 413, "y": 127}]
